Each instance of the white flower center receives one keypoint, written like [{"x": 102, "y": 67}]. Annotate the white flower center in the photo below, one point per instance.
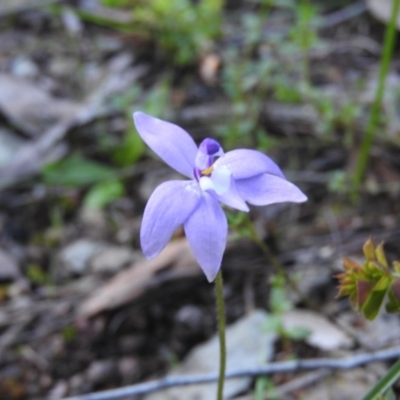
[{"x": 219, "y": 180}]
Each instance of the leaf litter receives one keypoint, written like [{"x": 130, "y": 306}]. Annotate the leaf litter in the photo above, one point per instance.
[{"x": 66, "y": 89}]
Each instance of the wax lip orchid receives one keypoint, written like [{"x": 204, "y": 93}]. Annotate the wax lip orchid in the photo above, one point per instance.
[{"x": 231, "y": 178}]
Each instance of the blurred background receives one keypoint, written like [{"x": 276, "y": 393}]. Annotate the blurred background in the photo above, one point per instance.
[{"x": 80, "y": 308}]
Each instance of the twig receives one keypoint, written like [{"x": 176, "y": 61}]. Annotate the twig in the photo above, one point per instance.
[{"x": 272, "y": 368}]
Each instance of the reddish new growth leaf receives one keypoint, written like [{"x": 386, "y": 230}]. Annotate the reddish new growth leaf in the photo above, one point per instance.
[{"x": 370, "y": 283}]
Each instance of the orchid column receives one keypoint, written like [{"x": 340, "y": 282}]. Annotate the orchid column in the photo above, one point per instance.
[{"x": 215, "y": 177}]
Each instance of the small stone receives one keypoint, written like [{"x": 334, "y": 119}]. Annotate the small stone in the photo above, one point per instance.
[
  {"x": 130, "y": 343},
  {"x": 75, "y": 257},
  {"x": 248, "y": 346},
  {"x": 112, "y": 259},
  {"x": 94, "y": 220},
  {"x": 190, "y": 316},
  {"x": 128, "y": 367},
  {"x": 100, "y": 370},
  {"x": 24, "y": 68},
  {"x": 9, "y": 145},
  {"x": 59, "y": 391},
  {"x": 322, "y": 333},
  {"x": 9, "y": 269},
  {"x": 62, "y": 67},
  {"x": 45, "y": 381},
  {"x": 76, "y": 382}
]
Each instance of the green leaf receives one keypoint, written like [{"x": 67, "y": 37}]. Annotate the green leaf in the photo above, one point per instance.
[
  {"x": 393, "y": 305},
  {"x": 273, "y": 323},
  {"x": 396, "y": 266},
  {"x": 130, "y": 150},
  {"x": 69, "y": 333},
  {"x": 36, "y": 274},
  {"x": 278, "y": 300},
  {"x": 103, "y": 193},
  {"x": 389, "y": 395},
  {"x": 297, "y": 333},
  {"x": 374, "y": 302},
  {"x": 364, "y": 290},
  {"x": 384, "y": 383},
  {"x": 76, "y": 170}
]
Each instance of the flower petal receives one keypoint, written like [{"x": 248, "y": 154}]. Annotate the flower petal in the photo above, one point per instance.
[
  {"x": 268, "y": 189},
  {"x": 232, "y": 198},
  {"x": 169, "y": 206},
  {"x": 208, "y": 150},
  {"x": 170, "y": 142},
  {"x": 245, "y": 163},
  {"x": 207, "y": 230}
]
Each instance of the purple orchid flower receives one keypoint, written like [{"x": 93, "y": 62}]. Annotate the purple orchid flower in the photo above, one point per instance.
[{"x": 236, "y": 177}]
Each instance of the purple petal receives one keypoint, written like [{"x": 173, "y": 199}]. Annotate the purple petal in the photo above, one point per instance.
[
  {"x": 208, "y": 150},
  {"x": 244, "y": 163},
  {"x": 170, "y": 142},
  {"x": 207, "y": 230},
  {"x": 169, "y": 206},
  {"x": 232, "y": 198},
  {"x": 268, "y": 189}
]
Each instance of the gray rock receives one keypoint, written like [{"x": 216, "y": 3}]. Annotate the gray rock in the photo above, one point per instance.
[
  {"x": 323, "y": 334},
  {"x": 100, "y": 370},
  {"x": 75, "y": 257},
  {"x": 22, "y": 67},
  {"x": 112, "y": 259},
  {"x": 9, "y": 145},
  {"x": 248, "y": 345},
  {"x": 9, "y": 269},
  {"x": 94, "y": 221}
]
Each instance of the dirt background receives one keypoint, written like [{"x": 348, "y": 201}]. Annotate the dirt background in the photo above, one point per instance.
[{"x": 81, "y": 310}]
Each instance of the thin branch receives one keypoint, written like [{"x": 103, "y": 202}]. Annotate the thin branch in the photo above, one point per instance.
[{"x": 277, "y": 367}]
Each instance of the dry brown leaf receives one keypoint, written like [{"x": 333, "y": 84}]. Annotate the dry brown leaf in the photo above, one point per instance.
[
  {"x": 131, "y": 283},
  {"x": 382, "y": 10}
]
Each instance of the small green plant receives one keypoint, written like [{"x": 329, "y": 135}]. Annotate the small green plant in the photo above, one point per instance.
[
  {"x": 69, "y": 333},
  {"x": 182, "y": 28},
  {"x": 245, "y": 83},
  {"x": 338, "y": 182},
  {"x": 370, "y": 284},
  {"x": 80, "y": 172},
  {"x": 103, "y": 193},
  {"x": 251, "y": 76},
  {"x": 265, "y": 389},
  {"x": 36, "y": 275},
  {"x": 304, "y": 34},
  {"x": 279, "y": 303},
  {"x": 76, "y": 170}
]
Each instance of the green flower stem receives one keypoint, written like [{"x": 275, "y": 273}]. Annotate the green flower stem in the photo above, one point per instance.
[
  {"x": 219, "y": 290},
  {"x": 390, "y": 38},
  {"x": 385, "y": 383}
]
